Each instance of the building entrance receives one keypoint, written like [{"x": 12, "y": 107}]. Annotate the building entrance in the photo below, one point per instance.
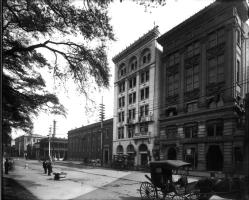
[
  {"x": 106, "y": 156},
  {"x": 143, "y": 150},
  {"x": 172, "y": 154},
  {"x": 214, "y": 158},
  {"x": 144, "y": 159}
]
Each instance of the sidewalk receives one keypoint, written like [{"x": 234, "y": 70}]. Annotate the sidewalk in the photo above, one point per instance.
[{"x": 11, "y": 189}]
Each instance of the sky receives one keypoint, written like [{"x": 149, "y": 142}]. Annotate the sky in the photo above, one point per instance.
[{"x": 130, "y": 21}]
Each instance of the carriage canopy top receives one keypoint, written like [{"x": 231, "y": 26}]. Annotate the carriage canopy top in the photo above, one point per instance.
[{"x": 169, "y": 164}]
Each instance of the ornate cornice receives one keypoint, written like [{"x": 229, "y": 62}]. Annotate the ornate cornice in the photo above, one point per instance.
[{"x": 152, "y": 34}]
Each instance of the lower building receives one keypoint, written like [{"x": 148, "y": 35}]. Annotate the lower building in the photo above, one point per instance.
[
  {"x": 55, "y": 148},
  {"x": 85, "y": 143},
  {"x": 25, "y": 142}
]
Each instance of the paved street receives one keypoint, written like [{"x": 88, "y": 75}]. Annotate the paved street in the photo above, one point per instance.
[{"x": 81, "y": 182}]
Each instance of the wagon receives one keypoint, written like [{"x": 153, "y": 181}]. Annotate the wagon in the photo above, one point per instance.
[{"x": 161, "y": 185}]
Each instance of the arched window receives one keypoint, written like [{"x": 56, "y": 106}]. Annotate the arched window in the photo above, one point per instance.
[
  {"x": 120, "y": 149},
  {"x": 143, "y": 148},
  {"x": 133, "y": 64},
  {"x": 130, "y": 149},
  {"x": 146, "y": 56},
  {"x": 122, "y": 70}
]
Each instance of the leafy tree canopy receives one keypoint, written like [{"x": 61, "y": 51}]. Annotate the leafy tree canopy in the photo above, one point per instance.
[{"x": 32, "y": 25}]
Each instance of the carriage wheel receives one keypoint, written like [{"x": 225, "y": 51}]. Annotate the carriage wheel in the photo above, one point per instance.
[
  {"x": 147, "y": 191},
  {"x": 193, "y": 196},
  {"x": 179, "y": 197}
]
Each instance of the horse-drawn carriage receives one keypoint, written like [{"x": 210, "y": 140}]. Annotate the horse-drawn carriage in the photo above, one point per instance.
[{"x": 162, "y": 184}]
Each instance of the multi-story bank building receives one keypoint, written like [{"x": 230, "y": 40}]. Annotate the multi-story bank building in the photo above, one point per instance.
[
  {"x": 204, "y": 79},
  {"x": 136, "y": 99}
]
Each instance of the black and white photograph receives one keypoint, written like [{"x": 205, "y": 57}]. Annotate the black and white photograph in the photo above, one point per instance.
[{"x": 125, "y": 99}]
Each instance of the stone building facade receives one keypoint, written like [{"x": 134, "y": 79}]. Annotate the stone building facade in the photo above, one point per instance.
[
  {"x": 84, "y": 143},
  {"x": 204, "y": 79},
  {"x": 22, "y": 143},
  {"x": 135, "y": 99}
]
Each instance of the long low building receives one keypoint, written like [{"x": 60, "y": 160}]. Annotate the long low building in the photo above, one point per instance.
[{"x": 85, "y": 143}]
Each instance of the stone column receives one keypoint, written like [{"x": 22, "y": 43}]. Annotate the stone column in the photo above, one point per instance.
[
  {"x": 179, "y": 146},
  {"x": 227, "y": 157},
  {"x": 201, "y": 157},
  {"x": 201, "y": 146}
]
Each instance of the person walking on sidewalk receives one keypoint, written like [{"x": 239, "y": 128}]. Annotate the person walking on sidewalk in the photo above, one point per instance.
[
  {"x": 44, "y": 164},
  {"x": 49, "y": 167},
  {"x": 6, "y": 166}
]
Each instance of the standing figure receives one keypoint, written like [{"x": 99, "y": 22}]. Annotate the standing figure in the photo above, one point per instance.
[
  {"x": 49, "y": 166},
  {"x": 44, "y": 164},
  {"x": 6, "y": 166}
]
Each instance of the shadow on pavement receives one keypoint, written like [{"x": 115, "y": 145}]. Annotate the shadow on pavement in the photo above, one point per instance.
[
  {"x": 130, "y": 198},
  {"x": 11, "y": 189}
]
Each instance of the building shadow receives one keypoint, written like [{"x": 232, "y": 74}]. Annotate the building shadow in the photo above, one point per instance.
[{"x": 11, "y": 189}]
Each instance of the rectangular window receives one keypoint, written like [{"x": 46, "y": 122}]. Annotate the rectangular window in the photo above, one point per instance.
[
  {"x": 238, "y": 154},
  {"x": 238, "y": 71},
  {"x": 216, "y": 69},
  {"x": 121, "y": 87},
  {"x": 133, "y": 113},
  {"x": 132, "y": 98},
  {"x": 215, "y": 128},
  {"x": 144, "y": 110},
  {"x": 173, "y": 81},
  {"x": 141, "y": 111},
  {"x": 120, "y": 102},
  {"x": 120, "y": 132},
  {"x": 121, "y": 116},
  {"x": 190, "y": 131},
  {"x": 171, "y": 132},
  {"x": 144, "y": 93},
  {"x": 192, "y": 107},
  {"x": 123, "y": 101},
  {"x": 144, "y": 128},
  {"x": 147, "y": 93},
  {"x": 174, "y": 59},
  {"x": 132, "y": 82},
  {"x": 193, "y": 49},
  {"x": 131, "y": 131},
  {"x": 192, "y": 78},
  {"x": 129, "y": 114},
  {"x": 216, "y": 38},
  {"x": 144, "y": 76}
]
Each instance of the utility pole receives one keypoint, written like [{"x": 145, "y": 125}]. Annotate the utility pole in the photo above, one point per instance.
[
  {"x": 49, "y": 135},
  {"x": 54, "y": 131},
  {"x": 102, "y": 116}
]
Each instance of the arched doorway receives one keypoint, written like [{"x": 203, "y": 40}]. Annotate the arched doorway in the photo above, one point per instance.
[
  {"x": 143, "y": 150},
  {"x": 120, "y": 149},
  {"x": 131, "y": 155},
  {"x": 172, "y": 153},
  {"x": 214, "y": 158}
]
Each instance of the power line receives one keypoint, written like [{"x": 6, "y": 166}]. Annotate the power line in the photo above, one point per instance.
[{"x": 163, "y": 107}]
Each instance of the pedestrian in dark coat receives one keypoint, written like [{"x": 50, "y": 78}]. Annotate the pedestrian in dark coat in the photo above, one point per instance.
[
  {"x": 6, "y": 166},
  {"x": 49, "y": 166},
  {"x": 44, "y": 164}
]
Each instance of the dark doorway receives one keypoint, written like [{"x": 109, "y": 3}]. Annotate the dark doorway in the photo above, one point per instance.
[
  {"x": 106, "y": 156},
  {"x": 214, "y": 158},
  {"x": 172, "y": 154},
  {"x": 144, "y": 159}
]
